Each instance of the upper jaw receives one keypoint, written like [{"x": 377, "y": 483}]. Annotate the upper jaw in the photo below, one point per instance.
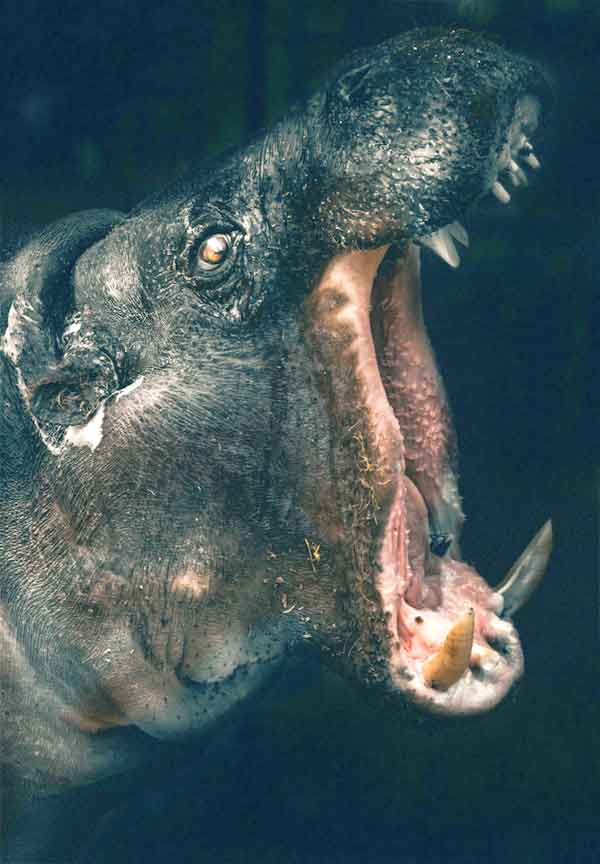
[
  {"x": 406, "y": 136},
  {"x": 509, "y": 164}
]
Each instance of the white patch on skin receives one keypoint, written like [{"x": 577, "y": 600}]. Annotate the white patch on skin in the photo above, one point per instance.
[
  {"x": 13, "y": 342},
  {"x": 190, "y": 585},
  {"x": 130, "y": 388},
  {"x": 89, "y": 435},
  {"x": 72, "y": 329}
]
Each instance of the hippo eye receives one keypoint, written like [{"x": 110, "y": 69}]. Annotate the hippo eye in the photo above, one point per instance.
[
  {"x": 213, "y": 251},
  {"x": 211, "y": 258}
]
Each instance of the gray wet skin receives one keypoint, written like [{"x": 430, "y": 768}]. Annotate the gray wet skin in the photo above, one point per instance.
[{"x": 196, "y": 475}]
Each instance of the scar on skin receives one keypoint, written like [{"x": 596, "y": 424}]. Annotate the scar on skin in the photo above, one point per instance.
[{"x": 190, "y": 585}]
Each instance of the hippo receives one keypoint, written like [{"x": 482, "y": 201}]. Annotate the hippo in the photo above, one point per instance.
[{"x": 225, "y": 439}]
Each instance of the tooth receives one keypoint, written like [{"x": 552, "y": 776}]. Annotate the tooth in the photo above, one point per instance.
[
  {"x": 458, "y": 232},
  {"x": 500, "y": 193},
  {"x": 526, "y": 573},
  {"x": 532, "y": 161},
  {"x": 517, "y": 175},
  {"x": 452, "y": 660},
  {"x": 443, "y": 245}
]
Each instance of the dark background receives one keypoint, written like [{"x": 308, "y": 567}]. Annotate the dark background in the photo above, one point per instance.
[{"x": 100, "y": 104}]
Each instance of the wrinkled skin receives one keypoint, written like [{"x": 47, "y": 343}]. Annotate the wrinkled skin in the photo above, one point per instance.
[{"x": 223, "y": 431}]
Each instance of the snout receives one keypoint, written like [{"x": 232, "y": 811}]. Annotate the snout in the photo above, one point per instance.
[{"x": 406, "y": 136}]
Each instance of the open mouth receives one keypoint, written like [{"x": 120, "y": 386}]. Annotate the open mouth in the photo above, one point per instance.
[{"x": 451, "y": 645}]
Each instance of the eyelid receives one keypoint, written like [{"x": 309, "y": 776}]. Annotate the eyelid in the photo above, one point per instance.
[{"x": 203, "y": 224}]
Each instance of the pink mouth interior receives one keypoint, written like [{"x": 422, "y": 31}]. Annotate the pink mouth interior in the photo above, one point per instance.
[{"x": 368, "y": 307}]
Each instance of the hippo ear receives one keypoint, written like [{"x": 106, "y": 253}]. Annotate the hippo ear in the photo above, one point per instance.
[{"x": 62, "y": 372}]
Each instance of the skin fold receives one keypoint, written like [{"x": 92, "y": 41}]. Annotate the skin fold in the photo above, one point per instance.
[{"x": 224, "y": 435}]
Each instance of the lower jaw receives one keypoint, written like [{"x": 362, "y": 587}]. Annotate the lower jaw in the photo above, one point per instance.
[
  {"x": 422, "y": 597},
  {"x": 420, "y": 614}
]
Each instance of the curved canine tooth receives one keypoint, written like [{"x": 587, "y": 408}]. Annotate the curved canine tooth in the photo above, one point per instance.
[
  {"x": 500, "y": 193},
  {"x": 458, "y": 232},
  {"x": 442, "y": 244},
  {"x": 532, "y": 161},
  {"x": 526, "y": 573},
  {"x": 452, "y": 660}
]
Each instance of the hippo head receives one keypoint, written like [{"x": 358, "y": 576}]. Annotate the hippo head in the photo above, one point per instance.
[{"x": 241, "y": 438}]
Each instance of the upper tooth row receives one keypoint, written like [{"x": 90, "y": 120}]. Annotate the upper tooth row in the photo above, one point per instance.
[
  {"x": 442, "y": 242},
  {"x": 516, "y": 173}
]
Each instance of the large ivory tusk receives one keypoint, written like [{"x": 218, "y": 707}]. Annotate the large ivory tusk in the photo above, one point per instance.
[
  {"x": 451, "y": 661},
  {"x": 526, "y": 573}
]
